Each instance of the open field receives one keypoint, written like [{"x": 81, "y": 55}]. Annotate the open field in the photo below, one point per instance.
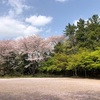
[{"x": 49, "y": 89}]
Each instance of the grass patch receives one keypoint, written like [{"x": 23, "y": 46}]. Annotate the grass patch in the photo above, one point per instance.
[
  {"x": 40, "y": 75},
  {"x": 22, "y": 76}
]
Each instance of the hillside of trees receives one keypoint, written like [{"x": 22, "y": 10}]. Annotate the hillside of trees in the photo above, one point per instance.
[{"x": 75, "y": 53}]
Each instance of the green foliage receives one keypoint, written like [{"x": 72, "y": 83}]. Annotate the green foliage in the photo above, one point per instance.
[
  {"x": 80, "y": 52},
  {"x": 55, "y": 64}
]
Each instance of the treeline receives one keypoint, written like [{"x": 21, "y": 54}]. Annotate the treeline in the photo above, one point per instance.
[
  {"x": 76, "y": 53},
  {"x": 79, "y": 53}
]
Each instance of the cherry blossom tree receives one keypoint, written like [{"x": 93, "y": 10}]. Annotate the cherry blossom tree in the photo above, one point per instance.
[
  {"x": 6, "y": 50},
  {"x": 27, "y": 51}
]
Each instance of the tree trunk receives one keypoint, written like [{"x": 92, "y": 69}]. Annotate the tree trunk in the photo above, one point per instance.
[
  {"x": 75, "y": 71},
  {"x": 85, "y": 73},
  {"x": 34, "y": 67}
]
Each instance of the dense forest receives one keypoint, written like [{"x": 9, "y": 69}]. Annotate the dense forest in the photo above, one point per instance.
[
  {"x": 79, "y": 53},
  {"x": 76, "y": 53}
]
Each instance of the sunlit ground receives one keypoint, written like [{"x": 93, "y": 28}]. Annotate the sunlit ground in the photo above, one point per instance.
[{"x": 49, "y": 89}]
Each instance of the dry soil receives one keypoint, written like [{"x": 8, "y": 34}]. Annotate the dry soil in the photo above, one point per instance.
[{"x": 49, "y": 89}]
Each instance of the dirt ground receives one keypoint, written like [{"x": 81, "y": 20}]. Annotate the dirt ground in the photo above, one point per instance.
[{"x": 49, "y": 89}]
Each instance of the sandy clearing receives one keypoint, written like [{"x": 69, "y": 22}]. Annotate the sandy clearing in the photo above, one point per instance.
[{"x": 49, "y": 89}]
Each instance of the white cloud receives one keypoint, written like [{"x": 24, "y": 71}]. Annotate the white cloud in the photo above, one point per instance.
[
  {"x": 17, "y": 7},
  {"x": 61, "y": 1},
  {"x": 75, "y": 22},
  {"x": 30, "y": 30},
  {"x": 12, "y": 28},
  {"x": 39, "y": 20}
]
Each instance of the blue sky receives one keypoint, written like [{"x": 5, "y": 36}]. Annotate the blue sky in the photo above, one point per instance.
[{"x": 20, "y": 18}]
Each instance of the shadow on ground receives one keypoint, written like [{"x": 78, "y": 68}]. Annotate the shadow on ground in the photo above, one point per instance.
[
  {"x": 39, "y": 96},
  {"x": 26, "y": 96}
]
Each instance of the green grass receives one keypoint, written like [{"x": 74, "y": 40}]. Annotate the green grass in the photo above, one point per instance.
[
  {"x": 38, "y": 75},
  {"x": 21, "y": 76}
]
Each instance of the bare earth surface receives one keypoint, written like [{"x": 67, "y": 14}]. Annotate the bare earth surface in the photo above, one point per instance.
[{"x": 49, "y": 89}]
